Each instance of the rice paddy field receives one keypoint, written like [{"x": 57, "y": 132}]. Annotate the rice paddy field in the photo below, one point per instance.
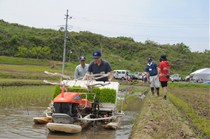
[
  {"x": 193, "y": 100},
  {"x": 24, "y": 96},
  {"x": 19, "y": 104}
]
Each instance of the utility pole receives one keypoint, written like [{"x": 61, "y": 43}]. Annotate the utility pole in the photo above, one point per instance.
[{"x": 64, "y": 47}]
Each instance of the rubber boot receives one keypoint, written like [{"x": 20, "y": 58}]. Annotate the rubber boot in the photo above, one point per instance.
[
  {"x": 157, "y": 90},
  {"x": 152, "y": 90},
  {"x": 165, "y": 97}
]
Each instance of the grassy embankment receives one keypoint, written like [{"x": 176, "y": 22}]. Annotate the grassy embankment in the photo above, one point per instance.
[
  {"x": 27, "y": 71},
  {"x": 183, "y": 115}
]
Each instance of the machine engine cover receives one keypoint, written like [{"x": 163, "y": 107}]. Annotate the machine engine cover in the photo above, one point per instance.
[{"x": 62, "y": 118}]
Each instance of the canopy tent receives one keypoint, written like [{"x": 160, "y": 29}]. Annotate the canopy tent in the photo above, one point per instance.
[{"x": 201, "y": 75}]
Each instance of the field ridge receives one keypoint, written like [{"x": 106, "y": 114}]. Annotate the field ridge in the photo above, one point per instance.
[{"x": 160, "y": 119}]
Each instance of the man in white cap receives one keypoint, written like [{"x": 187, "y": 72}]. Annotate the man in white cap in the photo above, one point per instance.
[{"x": 81, "y": 69}]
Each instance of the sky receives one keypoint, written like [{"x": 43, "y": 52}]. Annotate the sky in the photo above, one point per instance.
[{"x": 161, "y": 21}]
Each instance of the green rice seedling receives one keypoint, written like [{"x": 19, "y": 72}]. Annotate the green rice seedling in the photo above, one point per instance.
[
  {"x": 202, "y": 124},
  {"x": 25, "y": 95},
  {"x": 57, "y": 91},
  {"x": 103, "y": 95}
]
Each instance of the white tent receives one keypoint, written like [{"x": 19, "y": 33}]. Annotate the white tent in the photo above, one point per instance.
[{"x": 201, "y": 75}]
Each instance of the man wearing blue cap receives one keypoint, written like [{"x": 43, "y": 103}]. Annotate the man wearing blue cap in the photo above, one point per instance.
[
  {"x": 99, "y": 66},
  {"x": 152, "y": 75},
  {"x": 81, "y": 69}
]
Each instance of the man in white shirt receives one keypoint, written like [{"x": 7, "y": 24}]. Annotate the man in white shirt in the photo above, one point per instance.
[{"x": 81, "y": 69}]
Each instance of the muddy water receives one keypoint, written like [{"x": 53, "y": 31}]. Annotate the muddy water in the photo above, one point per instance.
[{"x": 18, "y": 124}]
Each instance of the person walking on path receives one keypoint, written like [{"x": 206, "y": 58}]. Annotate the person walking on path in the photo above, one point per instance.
[
  {"x": 81, "y": 69},
  {"x": 99, "y": 66},
  {"x": 152, "y": 76},
  {"x": 163, "y": 72}
]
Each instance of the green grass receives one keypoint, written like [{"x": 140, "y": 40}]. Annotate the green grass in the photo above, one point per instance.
[
  {"x": 24, "y": 61},
  {"x": 25, "y": 71},
  {"x": 189, "y": 85},
  {"x": 19, "y": 82},
  {"x": 132, "y": 100},
  {"x": 26, "y": 68}
]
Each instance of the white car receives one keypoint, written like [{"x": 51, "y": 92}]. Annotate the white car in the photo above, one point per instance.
[
  {"x": 121, "y": 74},
  {"x": 175, "y": 77}
]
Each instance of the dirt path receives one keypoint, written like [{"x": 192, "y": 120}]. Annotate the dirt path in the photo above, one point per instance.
[{"x": 160, "y": 119}]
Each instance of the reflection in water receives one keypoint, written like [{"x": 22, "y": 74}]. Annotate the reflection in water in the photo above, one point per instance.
[{"x": 18, "y": 124}]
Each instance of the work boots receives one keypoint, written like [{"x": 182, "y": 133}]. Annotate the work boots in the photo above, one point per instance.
[
  {"x": 164, "y": 97},
  {"x": 152, "y": 90},
  {"x": 157, "y": 90}
]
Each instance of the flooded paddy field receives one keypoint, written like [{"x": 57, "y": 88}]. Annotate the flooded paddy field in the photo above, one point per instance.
[
  {"x": 16, "y": 123},
  {"x": 20, "y": 104}
]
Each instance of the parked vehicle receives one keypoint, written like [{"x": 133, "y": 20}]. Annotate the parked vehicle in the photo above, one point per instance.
[
  {"x": 131, "y": 76},
  {"x": 121, "y": 74},
  {"x": 187, "y": 78},
  {"x": 175, "y": 77},
  {"x": 136, "y": 76},
  {"x": 140, "y": 75}
]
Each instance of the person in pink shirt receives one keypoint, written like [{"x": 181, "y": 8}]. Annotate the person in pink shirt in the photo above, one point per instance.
[{"x": 163, "y": 73}]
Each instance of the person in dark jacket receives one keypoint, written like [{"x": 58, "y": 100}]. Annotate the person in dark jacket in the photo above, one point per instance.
[
  {"x": 152, "y": 75},
  {"x": 99, "y": 66}
]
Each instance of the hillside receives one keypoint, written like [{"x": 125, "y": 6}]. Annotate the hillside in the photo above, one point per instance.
[{"x": 122, "y": 52}]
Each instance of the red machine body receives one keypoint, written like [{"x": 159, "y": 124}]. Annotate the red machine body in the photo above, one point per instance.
[
  {"x": 69, "y": 97},
  {"x": 72, "y": 97}
]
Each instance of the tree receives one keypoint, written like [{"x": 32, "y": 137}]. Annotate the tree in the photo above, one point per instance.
[
  {"x": 22, "y": 51},
  {"x": 182, "y": 48},
  {"x": 40, "y": 52},
  {"x": 45, "y": 52},
  {"x": 35, "y": 52}
]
